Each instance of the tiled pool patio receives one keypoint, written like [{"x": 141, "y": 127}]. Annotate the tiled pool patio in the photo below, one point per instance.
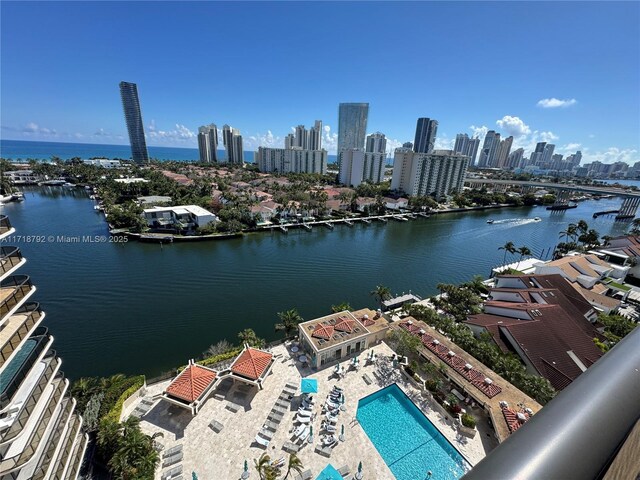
[{"x": 221, "y": 455}]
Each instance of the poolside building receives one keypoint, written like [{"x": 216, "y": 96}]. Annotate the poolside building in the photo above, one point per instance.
[
  {"x": 40, "y": 432},
  {"x": 181, "y": 216},
  {"x": 339, "y": 335}
]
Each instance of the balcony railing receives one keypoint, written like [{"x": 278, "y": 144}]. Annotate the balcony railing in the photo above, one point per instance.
[
  {"x": 12, "y": 382},
  {"x": 9, "y": 464},
  {"x": 54, "y": 438},
  {"x": 9, "y": 258},
  {"x": 36, "y": 393},
  {"x": 63, "y": 459},
  {"x": 77, "y": 456},
  {"x": 33, "y": 314},
  {"x": 12, "y": 291},
  {"x": 5, "y": 224}
]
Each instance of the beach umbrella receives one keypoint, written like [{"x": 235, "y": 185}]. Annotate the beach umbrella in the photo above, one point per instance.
[
  {"x": 358, "y": 475},
  {"x": 311, "y": 434},
  {"x": 194, "y": 476},
  {"x": 245, "y": 473},
  {"x": 341, "y": 437},
  {"x": 246, "y": 466},
  {"x": 309, "y": 385},
  {"x": 360, "y": 467}
]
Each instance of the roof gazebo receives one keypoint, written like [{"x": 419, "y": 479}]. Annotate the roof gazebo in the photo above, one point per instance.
[
  {"x": 192, "y": 387},
  {"x": 252, "y": 366}
]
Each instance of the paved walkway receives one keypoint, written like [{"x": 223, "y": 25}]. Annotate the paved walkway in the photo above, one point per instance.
[{"x": 222, "y": 455}]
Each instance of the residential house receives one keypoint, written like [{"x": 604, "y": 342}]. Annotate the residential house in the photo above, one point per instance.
[
  {"x": 395, "y": 203},
  {"x": 179, "y": 217}
]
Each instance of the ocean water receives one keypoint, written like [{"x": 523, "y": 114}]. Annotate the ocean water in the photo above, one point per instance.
[
  {"x": 408, "y": 442},
  {"x": 23, "y": 150}
]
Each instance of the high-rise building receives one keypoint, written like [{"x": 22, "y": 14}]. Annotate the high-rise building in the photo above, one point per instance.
[
  {"x": 376, "y": 142},
  {"x": 489, "y": 149},
  {"x": 407, "y": 145},
  {"x": 208, "y": 143},
  {"x": 357, "y": 166},
  {"x": 291, "y": 160},
  {"x": 467, "y": 146},
  {"x": 352, "y": 125},
  {"x": 425, "y": 140},
  {"x": 233, "y": 144},
  {"x": 315, "y": 136},
  {"x": 575, "y": 159},
  {"x": 547, "y": 153},
  {"x": 503, "y": 151},
  {"x": 133, "y": 117},
  {"x": 515, "y": 158},
  {"x": 289, "y": 141},
  {"x": 301, "y": 138},
  {"x": 40, "y": 433},
  {"x": 438, "y": 173}
]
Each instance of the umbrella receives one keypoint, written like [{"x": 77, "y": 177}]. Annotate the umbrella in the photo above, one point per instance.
[
  {"x": 358, "y": 475},
  {"x": 341, "y": 437},
  {"x": 309, "y": 385},
  {"x": 311, "y": 434},
  {"x": 194, "y": 476},
  {"x": 360, "y": 467},
  {"x": 245, "y": 473}
]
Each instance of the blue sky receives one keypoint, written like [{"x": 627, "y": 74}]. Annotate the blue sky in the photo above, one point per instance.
[{"x": 266, "y": 67}]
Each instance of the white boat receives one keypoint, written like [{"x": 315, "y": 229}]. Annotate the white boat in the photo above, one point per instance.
[
  {"x": 537, "y": 219},
  {"x": 490, "y": 221}
]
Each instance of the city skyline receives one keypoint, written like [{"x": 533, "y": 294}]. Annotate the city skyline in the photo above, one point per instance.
[{"x": 563, "y": 103}]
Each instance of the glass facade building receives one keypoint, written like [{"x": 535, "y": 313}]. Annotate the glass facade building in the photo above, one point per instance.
[
  {"x": 133, "y": 117},
  {"x": 352, "y": 125}
]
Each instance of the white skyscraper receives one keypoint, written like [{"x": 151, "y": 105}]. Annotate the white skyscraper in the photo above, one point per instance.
[
  {"x": 547, "y": 154},
  {"x": 233, "y": 144},
  {"x": 489, "y": 149},
  {"x": 467, "y": 146},
  {"x": 315, "y": 136},
  {"x": 438, "y": 173},
  {"x": 515, "y": 158},
  {"x": 208, "y": 143},
  {"x": 376, "y": 142},
  {"x": 503, "y": 151},
  {"x": 357, "y": 166},
  {"x": 291, "y": 160}
]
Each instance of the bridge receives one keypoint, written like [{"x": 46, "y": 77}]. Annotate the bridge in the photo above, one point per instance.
[{"x": 630, "y": 198}]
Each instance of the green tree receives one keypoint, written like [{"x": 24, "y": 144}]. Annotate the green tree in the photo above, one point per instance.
[
  {"x": 509, "y": 248},
  {"x": 524, "y": 252},
  {"x": 403, "y": 343},
  {"x": 289, "y": 320},
  {"x": 381, "y": 293},
  {"x": 249, "y": 337},
  {"x": 341, "y": 307},
  {"x": 294, "y": 465}
]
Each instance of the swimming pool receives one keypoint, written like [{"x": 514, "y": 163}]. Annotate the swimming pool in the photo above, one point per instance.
[{"x": 408, "y": 442}]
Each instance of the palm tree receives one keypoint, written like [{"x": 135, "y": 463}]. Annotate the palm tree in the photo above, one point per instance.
[
  {"x": 262, "y": 464},
  {"x": 582, "y": 227},
  {"x": 341, "y": 307},
  {"x": 524, "y": 252},
  {"x": 294, "y": 464},
  {"x": 289, "y": 321},
  {"x": 381, "y": 293},
  {"x": 508, "y": 247},
  {"x": 570, "y": 232}
]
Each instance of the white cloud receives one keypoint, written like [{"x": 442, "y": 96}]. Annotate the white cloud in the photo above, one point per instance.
[
  {"x": 513, "y": 126},
  {"x": 329, "y": 140},
  {"x": 443, "y": 143},
  {"x": 556, "y": 102},
  {"x": 268, "y": 139},
  {"x": 179, "y": 135},
  {"x": 570, "y": 147},
  {"x": 34, "y": 128},
  {"x": 102, "y": 133},
  {"x": 479, "y": 132},
  {"x": 611, "y": 155}
]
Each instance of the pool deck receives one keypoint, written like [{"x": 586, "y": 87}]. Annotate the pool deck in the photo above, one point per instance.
[{"x": 222, "y": 455}]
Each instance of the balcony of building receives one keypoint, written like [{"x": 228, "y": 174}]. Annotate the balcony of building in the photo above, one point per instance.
[
  {"x": 17, "y": 329},
  {"x": 5, "y": 227},
  {"x": 14, "y": 418},
  {"x": 77, "y": 456},
  {"x": 14, "y": 291},
  {"x": 23, "y": 449},
  {"x": 14, "y": 372},
  {"x": 10, "y": 260},
  {"x": 64, "y": 458}
]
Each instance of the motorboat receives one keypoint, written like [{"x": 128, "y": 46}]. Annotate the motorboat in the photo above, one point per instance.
[
  {"x": 537, "y": 219},
  {"x": 490, "y": 221}
]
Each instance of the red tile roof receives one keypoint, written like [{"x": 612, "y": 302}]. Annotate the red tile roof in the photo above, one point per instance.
[
  {"x": 514, "y": 419},
  {"x": 322, "y": 331},
  {"x": 366, "y": 321},
  {"x": 252, "y": 363},
  {"x": 191, "y": 383},
  {"x": 345, "y": 324}
]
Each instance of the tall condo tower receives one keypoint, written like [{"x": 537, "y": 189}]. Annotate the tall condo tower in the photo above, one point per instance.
[
  {"x": 467, "y": 146},
  {"x": 376, "y": 142},
  {"x": 352, "y": 125},
  {"x": 133, "y": 117},
  {"x": 41, "y": 433},
  {"x": 315, "y": 136},
  {"x": 208, "y": 143},
  {"x": 425, "y": 140},
  {"x": 489, "y": 149},
  {"x": 233, "y": 144}
]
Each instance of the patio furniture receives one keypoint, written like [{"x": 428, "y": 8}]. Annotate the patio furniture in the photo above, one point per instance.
[
  {"x": 219, "y": 396},
  {"x": 265, "y": 433},
  {"x": 306, "y": 475},
  {"x": 232, "y": 407},
  {"x": 274, "y": 418},
  {"x": 147, "y": 401},
  {"x": 299, "y": 430},
  {"x": 216, "y": 426},
  {"x": 262, "y": 441},
  {"x": 304, "y": 413},
  {"x": 173, "y": 459},
  {"x": 172, "y": 451},
  {"x": 302, "y": 419},
  {"x": 172, "y": 474},
  {"x": 282, "y": 403},
  {"x": 344, "y": 471},
  {"x": 324, "y": 451},
  {"x": 367, "y": 379},
  {"x": 271, "y": 425},
  {"x": 278, "y": 408},
  {"x": 304, "y": 436},
  {"x": 290, "y": 447}
]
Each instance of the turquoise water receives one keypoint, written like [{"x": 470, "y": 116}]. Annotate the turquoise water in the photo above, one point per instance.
[
  {"x": 407, "y": 441},
  {"x": 16, "y": 363}
]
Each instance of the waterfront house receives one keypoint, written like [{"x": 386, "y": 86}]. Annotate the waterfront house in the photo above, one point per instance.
[
  {"x": 543, "y": 320},
  {"x": 395, "y": 203},
  {"x": 154, "y": 200},
  {"x": 103, "y": 162},
  {"x": 365, "y": 203},
  {"x": 180, "y": 217},
  {"x": 177, "y": 177},
  {"x": 21, "y": 177},
  {"x": 339, "y": 335},
  {"x": 127, "y": 181}
]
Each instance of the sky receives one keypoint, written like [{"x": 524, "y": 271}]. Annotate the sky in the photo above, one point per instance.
[{"x": 564, "y": 72}]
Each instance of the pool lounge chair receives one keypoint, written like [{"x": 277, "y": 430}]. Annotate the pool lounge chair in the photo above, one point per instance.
[
  {"x": 306, "y": 475},
  {"x": 172, "y": 474},
  {"x": 282, "y": 403},
  {"x": 262, "y": 441},
  {"x": 172, "y": 451},
  {"x": 232, "y": 407},
  {"x": 271, "y": 425},
  {"x": 367, "y": 379},
  {"x": 344, "y": 471},
  {"x": 216, "y": 426},
  {"x": 172, "y": 460},
  {"x": 324, "y": 451},
  {"x": 266, "y": 433},
  {"x": 290, "y": 447}
]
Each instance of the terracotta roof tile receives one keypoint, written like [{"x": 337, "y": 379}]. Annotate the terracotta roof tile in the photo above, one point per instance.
[
  {"x": 191, "y": 383},
  {"x": 322, "y": 331},
  {"x": 345, "y": 324},
  {"x": 251, "y": 363}
]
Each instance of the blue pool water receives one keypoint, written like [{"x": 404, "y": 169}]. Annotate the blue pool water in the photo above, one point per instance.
[{"x": 408, "y": 442}]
